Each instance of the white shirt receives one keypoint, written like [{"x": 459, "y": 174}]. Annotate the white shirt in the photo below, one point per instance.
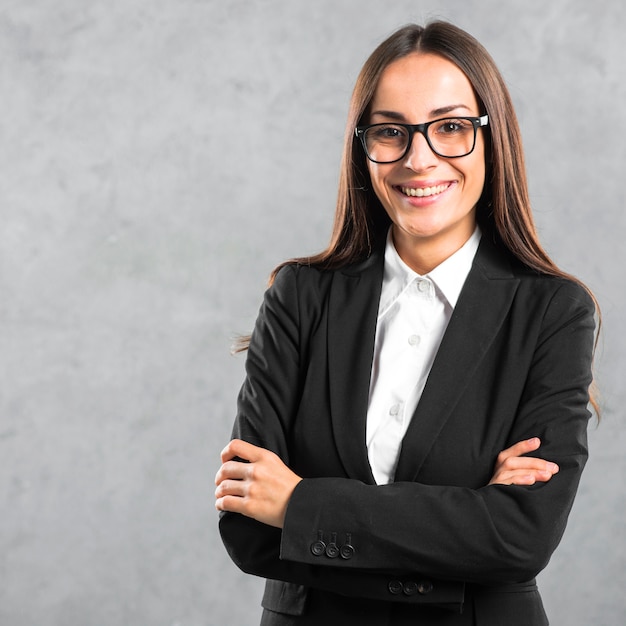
[{"x": 413, "y": 314}]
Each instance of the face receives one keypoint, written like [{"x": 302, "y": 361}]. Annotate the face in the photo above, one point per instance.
[{"x": 415, "y": 89}]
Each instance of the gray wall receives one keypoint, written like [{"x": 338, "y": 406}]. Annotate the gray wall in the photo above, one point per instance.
[{"x": 157, "y": 159}]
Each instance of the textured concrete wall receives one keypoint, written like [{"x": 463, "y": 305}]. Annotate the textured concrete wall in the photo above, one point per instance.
[{"x": 157, "y": 159}]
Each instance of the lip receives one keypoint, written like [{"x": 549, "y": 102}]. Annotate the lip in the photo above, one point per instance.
[{"x": 431, "y": 187}]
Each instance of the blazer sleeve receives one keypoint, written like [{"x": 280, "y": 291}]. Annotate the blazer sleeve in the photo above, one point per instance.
[{"x": 490, "y": 535}]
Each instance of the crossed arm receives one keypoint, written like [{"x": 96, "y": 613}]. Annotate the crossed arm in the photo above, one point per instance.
[{"x": 261, "y": 487}]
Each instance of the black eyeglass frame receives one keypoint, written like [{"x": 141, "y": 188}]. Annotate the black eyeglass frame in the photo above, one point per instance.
[{"x": 477, "y": 122}]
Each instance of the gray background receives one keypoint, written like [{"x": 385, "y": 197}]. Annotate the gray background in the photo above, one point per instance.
[{"x": 157, "y": 159}]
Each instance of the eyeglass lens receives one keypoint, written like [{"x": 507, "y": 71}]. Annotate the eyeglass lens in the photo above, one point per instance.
[{"x": 450, "y": 137}]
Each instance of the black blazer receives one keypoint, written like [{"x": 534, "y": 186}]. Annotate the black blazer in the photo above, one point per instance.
[{"x": 437, "y": 546}]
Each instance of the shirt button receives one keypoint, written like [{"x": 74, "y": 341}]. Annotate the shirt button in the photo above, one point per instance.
[
  {"x": 414, "y": 340},
  {"x": 423, "y": 286},
  {"x": 394, "y": 410}
]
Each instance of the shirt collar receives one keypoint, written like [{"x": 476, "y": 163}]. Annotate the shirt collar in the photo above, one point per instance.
[{"x": 449, "y": 276}]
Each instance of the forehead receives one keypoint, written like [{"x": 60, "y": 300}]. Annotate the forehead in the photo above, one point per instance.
[{"x": 421, "y": 83}]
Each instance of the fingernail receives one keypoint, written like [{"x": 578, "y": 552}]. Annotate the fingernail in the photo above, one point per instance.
[{"x": 554, "y": 468}]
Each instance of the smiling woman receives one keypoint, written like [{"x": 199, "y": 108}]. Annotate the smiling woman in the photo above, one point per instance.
[{"x": 412, "y": 427}]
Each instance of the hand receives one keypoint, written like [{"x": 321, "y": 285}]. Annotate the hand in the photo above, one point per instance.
[
  {"x": 259, "y": 489},
  {"x": 514, "y": 469}
]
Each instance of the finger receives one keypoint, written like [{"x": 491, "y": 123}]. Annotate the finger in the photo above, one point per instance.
[
  {"x": 230, "y": 488},
  {"x": 235, "y": 470},
  {"x": 521, "y": 478},
  {"x": 529, "y": 478},
  {"x": 520, "y": 448},
  {"x": 529, "y": 463},
  {"x": 241, "y": 449},
  {"x": 232, "y": 504},
  {"x": 544, "y": 477}
]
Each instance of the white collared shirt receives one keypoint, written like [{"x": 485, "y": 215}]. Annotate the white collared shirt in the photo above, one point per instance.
[{"x": 413, "y": 314}]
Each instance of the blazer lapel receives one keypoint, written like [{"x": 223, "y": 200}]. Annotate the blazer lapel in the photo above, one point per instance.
[
  {"x": 482, "y": 307},
  {"x": 352, "y": 315}
]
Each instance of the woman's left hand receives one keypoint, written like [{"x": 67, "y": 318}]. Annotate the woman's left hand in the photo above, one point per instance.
[
  {"x": 260, "y": 488},
  {"x": 514, "y": 468}
]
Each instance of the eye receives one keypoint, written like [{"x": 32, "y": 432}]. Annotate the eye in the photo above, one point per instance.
[
  {"x": 387, "y": 132},
  {"x": 453, "y": 126}
]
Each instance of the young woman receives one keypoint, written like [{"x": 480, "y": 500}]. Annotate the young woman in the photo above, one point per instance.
[{"x": 397, "y": 381}]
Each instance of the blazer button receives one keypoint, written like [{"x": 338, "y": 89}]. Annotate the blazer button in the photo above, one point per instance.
[
  {"x": 318, "y": 547},
  {"x": 346, "y": 552},
  {"x": 395, "y": 587},
  {"x": 409, "y": 588},
  {"x": 332, "y": 551},
  {"x": 424, "y": 587},
  {"x": 347, "y": 549}
]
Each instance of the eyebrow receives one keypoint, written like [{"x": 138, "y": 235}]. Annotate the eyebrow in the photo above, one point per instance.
[{"x": 394, "y": 115}]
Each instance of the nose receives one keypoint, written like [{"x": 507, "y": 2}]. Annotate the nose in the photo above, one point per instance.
[{"x": 420, "y": 156}]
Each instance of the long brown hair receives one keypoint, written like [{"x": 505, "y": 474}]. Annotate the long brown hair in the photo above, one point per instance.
[{"x": 504, "y": 210}]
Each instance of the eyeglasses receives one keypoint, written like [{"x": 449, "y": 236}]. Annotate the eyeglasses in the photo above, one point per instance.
[{"x": 449, "y": 137}]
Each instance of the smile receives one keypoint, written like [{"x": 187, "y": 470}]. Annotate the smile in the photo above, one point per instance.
[{"x": 421, "y": 192}]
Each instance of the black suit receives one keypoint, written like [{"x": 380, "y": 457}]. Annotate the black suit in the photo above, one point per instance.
[{"x": 514, "y": 363}]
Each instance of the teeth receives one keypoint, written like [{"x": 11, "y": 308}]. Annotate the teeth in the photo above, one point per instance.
[{"x": 421, "y": 192}]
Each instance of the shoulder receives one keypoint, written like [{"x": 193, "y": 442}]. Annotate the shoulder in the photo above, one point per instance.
[
  {"x": 312, "y": 281},
  {"x": 559, "y": 293},
  {"x": 300, "y": 282},
  {"x": 554, "y": 304},
  {"x": 535, "y": 289},
  {"x": 298, "y": 292}
]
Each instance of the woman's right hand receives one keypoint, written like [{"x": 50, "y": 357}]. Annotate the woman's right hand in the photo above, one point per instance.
[{"x": 514, "y": 469}]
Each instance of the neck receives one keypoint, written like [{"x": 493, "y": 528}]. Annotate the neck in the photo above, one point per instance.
[{"x": 423, "y": 255}]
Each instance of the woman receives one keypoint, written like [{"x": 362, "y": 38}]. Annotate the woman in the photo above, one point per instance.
[{"x": 397, "y": 381}]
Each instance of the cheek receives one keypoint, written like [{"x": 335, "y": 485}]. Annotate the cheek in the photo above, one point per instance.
[
  {"x": 372, "y": 169},
  {"x": 474, "y": 174},
  {"x": 378, "y": 176},
  {"x": 481, "y": 164},
  {"x": 478, "y": 175},
  {"x": 374, "y": 179}
]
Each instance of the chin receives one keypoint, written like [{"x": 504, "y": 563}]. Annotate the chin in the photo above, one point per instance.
[{"x": 423, "y": 231}]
